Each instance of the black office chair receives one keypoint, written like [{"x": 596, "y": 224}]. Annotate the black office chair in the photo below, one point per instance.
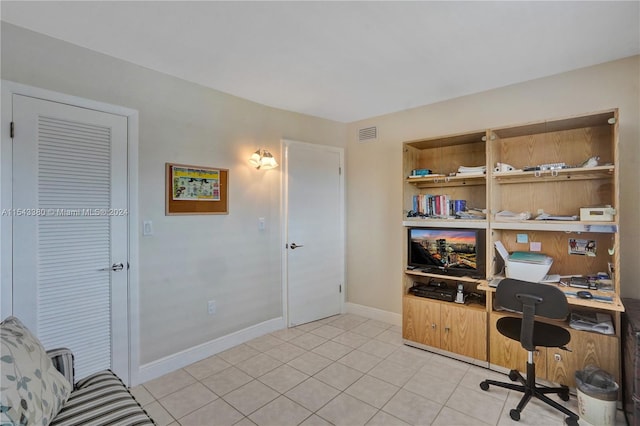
[{"x": 530, "y": 300}]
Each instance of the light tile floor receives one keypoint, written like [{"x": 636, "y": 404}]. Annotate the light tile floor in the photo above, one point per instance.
[{"x": 343, "y": 370}]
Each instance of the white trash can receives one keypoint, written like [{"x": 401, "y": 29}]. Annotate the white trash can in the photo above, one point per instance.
[{"x": 597, "y": 396}]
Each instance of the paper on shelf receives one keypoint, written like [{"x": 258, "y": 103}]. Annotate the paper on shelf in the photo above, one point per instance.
[
  {"x": 591, "y": 321},
  {"x": 502, "y": 250},
  {"x": 548, "y": 216},
  {"x": 476, "y": 169},
  {"x": 506, "y": 215}
]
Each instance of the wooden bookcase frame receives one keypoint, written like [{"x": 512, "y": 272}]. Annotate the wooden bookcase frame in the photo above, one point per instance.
[{"x": 561, "y": 192}]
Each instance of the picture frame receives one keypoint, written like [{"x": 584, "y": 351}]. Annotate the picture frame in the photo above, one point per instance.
[{"x": 193, "y": 190}]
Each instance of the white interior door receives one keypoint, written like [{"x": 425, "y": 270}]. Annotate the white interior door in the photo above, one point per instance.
[
  {"x": 314, "y": 231},
  {"x": 70, "y": 256}
]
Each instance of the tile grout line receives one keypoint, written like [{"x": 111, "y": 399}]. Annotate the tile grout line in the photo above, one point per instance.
[{"x": 388, "y": 346}]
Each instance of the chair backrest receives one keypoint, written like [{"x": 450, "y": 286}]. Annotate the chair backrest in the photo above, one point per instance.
[
  {"x": 531, "y": 299},
  {"x": 552, "y": 304}
]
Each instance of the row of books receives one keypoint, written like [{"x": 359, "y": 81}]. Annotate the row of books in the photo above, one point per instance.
[{"x": 434, "y": 205}]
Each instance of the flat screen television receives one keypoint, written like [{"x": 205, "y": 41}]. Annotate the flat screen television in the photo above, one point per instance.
[{"x": 448, "y": 251}]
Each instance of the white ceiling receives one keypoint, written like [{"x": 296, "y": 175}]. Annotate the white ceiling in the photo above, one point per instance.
[{"x": 345, "y": 61}]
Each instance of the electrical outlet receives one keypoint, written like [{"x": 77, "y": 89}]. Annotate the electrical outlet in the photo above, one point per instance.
[{"x": 211, "y": 307}]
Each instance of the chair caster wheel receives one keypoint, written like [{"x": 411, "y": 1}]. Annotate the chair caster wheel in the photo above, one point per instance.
[
  {"x": 564, "y": 395},
  {"x": 513, "y": 375},
  {"x": 571, "y": 421},
  {"x": 484, "y": 386},
  {"x": 515, "y": 415}
]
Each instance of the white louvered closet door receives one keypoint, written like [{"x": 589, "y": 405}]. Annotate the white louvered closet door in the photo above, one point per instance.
[{"x": 69, "y": 229}]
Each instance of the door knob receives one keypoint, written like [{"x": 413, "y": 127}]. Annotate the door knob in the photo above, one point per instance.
[{"x": 295, "y": 246}]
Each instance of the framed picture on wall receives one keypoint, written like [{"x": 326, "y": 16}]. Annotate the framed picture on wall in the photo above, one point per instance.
[{"x": 196, "y": 190}]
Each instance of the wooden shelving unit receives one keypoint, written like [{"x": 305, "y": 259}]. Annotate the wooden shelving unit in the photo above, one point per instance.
[
  {"x": 458, "y": 330},
  {"x": 559, "y": 192}
]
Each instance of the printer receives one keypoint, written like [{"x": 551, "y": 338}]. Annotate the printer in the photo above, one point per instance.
[{"x": 524, "y": 265}]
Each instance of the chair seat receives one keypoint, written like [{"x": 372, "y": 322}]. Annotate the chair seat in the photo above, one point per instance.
[{"x": 545, "y": 335}]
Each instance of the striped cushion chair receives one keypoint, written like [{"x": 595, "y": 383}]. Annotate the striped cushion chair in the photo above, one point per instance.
[
  {"x": 38, "y": 387},
  {"x": 100, "y": 399}
]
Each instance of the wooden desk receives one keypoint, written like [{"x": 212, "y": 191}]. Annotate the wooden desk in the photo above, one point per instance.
[
  {"x": 552, "y": 364},
  {"x": 615, "y": 305}
]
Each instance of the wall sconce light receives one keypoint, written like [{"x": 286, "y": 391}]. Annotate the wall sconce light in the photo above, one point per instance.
[{"x": 262, "y": 159}]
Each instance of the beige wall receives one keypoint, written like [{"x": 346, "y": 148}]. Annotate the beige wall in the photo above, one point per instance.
[
  {"x": 374, "y": 169},
  {"x": 189, "y": 259},
  {"x": 192, "y": 259}
]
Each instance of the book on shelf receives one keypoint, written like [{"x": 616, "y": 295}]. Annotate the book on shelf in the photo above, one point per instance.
[
  {"x": 429, "y": 176},
  {"x": 469, "y": 174}
]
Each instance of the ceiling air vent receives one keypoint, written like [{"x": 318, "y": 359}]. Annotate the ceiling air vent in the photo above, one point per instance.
[{"x": 368, "y": 134}]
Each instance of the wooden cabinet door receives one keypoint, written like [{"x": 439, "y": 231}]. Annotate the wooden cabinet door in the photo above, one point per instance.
[
  {"x": 586, "y": 348},
  {"x": 421, "y": 321},
  {"x": 510, "y": 353},
  {"x": 464, "y": 331}
]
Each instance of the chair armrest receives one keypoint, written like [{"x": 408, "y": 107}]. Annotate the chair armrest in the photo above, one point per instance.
[{"x": 62, "y": 360}]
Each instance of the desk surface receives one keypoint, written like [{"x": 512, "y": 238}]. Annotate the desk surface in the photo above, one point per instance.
[{"x": 616, "y": 305}]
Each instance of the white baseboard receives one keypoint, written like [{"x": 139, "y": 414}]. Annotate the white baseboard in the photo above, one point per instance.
[
  {"x": 373, "y": 313},
  {"x": 183, "y": 358}
]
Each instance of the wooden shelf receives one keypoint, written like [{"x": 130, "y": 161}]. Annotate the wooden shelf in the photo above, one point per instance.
[
  {"x": 557, "y": 225},
  {"x": 419, "y": 273},
  {"x": 615, "y": 306},
  {"x": 590, "y": 120},
  {"x": 451, "y": 140},
  {"x": 446, "y": 223},
  {"x": 545, "y": 176},
  {"x": 447, "y": 181},
  {"x": 473, "y": 305}
]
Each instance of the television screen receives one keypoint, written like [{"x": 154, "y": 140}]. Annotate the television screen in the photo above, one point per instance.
[{"x": 456, "y": 252}]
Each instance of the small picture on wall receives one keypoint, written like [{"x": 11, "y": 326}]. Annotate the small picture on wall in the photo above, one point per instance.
[{"x": 582, "y": 247}]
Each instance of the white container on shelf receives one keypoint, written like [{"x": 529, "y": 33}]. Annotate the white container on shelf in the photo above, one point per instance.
[{"x": 597, "y": 214}]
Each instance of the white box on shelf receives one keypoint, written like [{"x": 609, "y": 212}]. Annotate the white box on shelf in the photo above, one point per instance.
[{"x": 597, "y": 214}]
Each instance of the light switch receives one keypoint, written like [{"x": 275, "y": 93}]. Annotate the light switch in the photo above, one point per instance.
[
  {"x": 261, "y": 224},
  {"x": 147, "y": 228}
]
